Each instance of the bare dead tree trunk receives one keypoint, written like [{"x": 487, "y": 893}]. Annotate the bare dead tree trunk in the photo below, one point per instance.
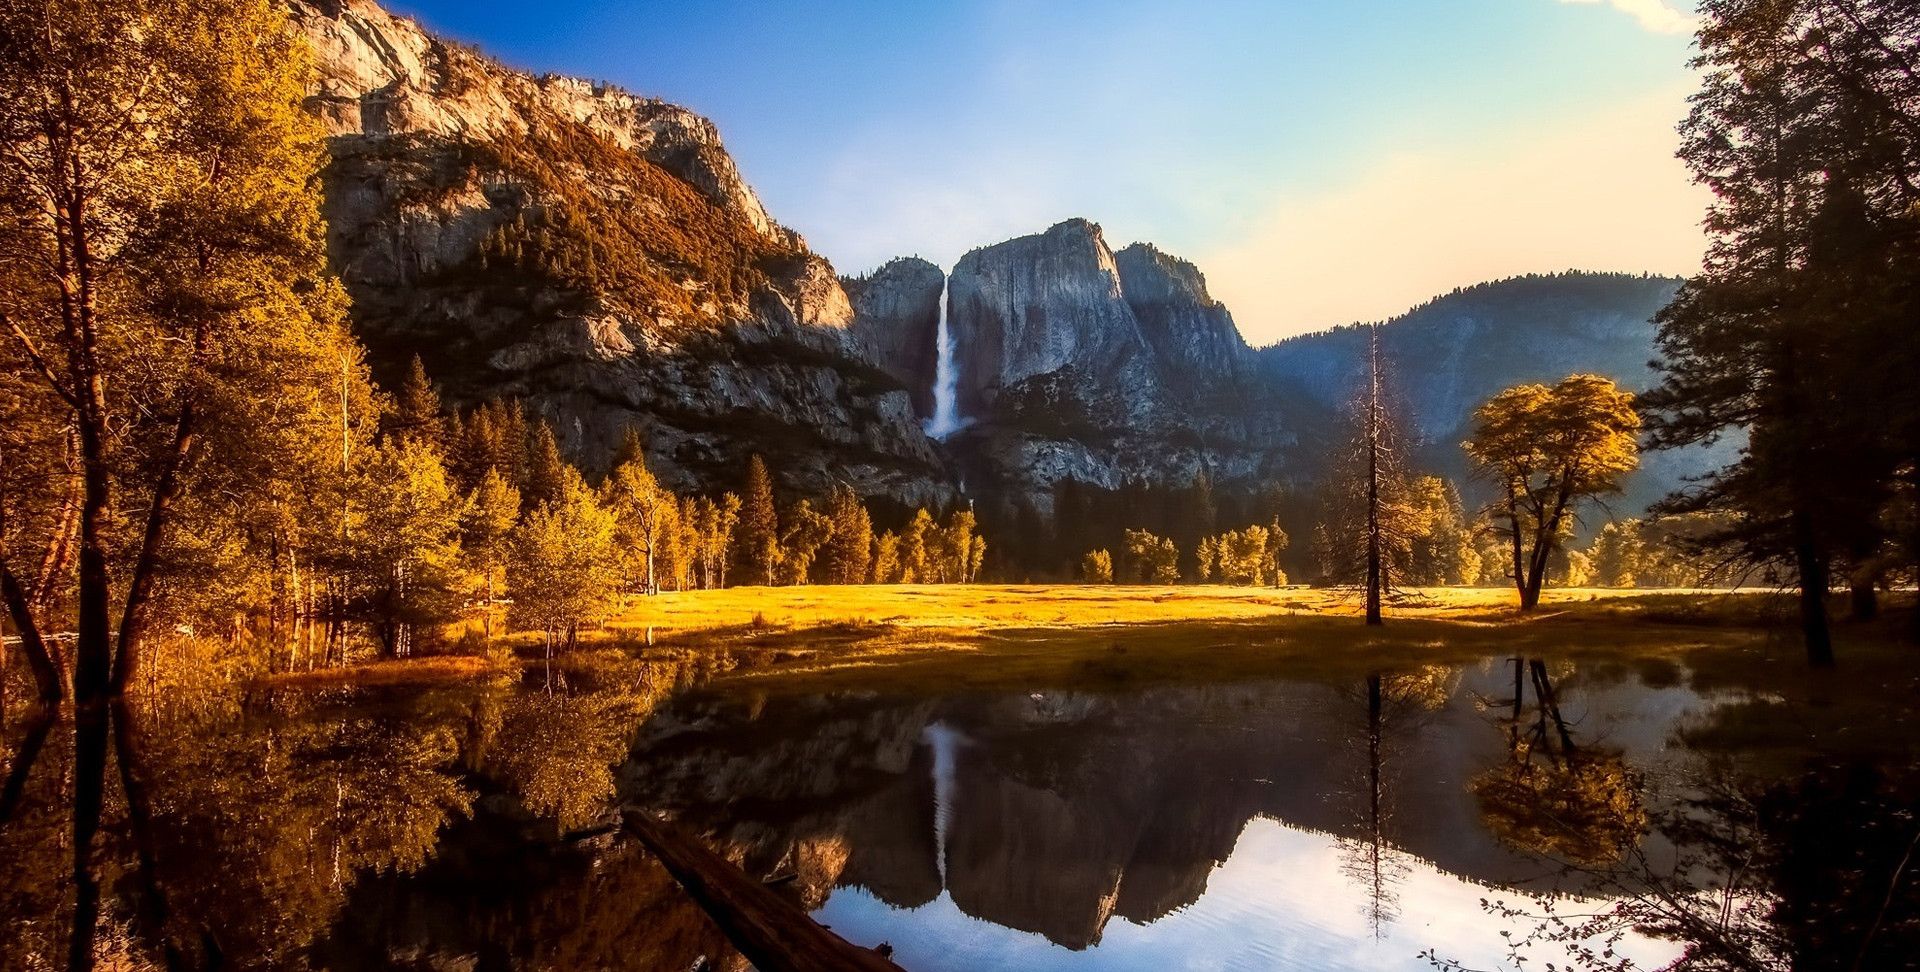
[{"x": 1375, "y": 568}]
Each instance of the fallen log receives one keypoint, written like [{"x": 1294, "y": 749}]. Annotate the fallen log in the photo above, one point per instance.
[{"x": 771, "y": 931}]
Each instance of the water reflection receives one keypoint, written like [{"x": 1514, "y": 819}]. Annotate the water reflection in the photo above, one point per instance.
[
  {"x": 1581, "y": 804},
  {"x": 1055, "y": 813},
  {"x": 1354, "y": 823},
  {"x": 251, "y": 833}
]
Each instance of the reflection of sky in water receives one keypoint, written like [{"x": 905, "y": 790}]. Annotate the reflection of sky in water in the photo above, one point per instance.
[{"x": 1280, "y": 902}]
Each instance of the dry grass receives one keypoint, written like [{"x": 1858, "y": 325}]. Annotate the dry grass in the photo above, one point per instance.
[
  {"x": 436, "y": 669},
  {"x": 992, "y": 606},
  {"x": 1030, "y": 638},
  {"x": 994, "y": 635}
]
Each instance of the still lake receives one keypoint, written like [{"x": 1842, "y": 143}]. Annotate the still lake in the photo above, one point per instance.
[{"x": 1390, "y": 820}]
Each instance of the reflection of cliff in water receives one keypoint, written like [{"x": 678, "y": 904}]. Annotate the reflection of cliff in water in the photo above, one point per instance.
[{"x": 1067, "y": 809}]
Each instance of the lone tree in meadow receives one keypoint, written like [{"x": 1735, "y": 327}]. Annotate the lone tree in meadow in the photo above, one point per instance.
[
  {"x": 1367, "y": 515},
  {"x": 1549, "y": 449}
]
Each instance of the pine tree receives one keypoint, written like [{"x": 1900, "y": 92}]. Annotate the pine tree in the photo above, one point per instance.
[
  {"x": 493, "y": 509},
  {"x": 759, "y": 524},
  {"x": 1207, "y": 556},
  {"x": 849, "y": 551},
  {"x": 416, "y": 409},
  {"x": 547, "y": 471},
  {"x": 1277, "y": 543},
  {"x": 1365, "y": 527},
  {"x": 886, "y": 558},
  {"x": 806, "y": 531},
  {"x": 1798, "y": 330}
]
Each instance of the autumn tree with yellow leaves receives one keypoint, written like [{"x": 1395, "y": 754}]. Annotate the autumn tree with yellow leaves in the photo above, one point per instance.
[
  {"x": 1547, "y": 450},
  {"x": 162, "y": 281}
]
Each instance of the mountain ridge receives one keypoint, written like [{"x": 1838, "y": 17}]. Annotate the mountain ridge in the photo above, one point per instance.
[{"x": 598, "y": 255}]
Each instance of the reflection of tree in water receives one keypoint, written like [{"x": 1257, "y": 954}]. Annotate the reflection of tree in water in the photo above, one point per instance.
[
  {"x": 1551, "y": 797},
  {"x": 1396, "y": 706},
  {"x": 236, "y": 834},
  {"x": 557, "y": 752},
  {"x": 1822, "y": 872}
]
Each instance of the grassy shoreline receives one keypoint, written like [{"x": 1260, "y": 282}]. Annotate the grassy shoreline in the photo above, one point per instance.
[
  {"x": 998, "y": 635},
  {"x": 995, "y": 638}
]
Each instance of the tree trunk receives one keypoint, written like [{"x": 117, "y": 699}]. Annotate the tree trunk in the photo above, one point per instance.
[
  {"x": 133, "y": 620},
  {"x": 46, "y": 674},
  {"x": 59, "y": 553},
  {"x": 93, "y": 646},
  {"x": 1812, "y": 564},
  {"x": 1374, "y": 568},
  {"x": 1529, "y": 595},
  {"x": 1519, "y": 547},
  {"x": 1864, "y": 597}
]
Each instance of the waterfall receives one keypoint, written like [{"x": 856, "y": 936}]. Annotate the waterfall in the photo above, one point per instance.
[
  {"x": 946, "y": 381},
  {"x": 944, "y": 741}
]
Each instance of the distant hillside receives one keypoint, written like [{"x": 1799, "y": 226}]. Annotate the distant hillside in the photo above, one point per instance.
[{"x": 1448, "y": 355}]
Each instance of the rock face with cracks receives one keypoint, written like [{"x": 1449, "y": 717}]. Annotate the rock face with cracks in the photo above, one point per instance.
[
  {"x": 896, "y": 317},
  {"x": 597, "y": 255},
  {"x": 1077, "y": 362}
]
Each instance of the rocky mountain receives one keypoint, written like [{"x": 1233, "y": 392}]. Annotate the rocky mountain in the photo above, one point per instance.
[
  {"x": 597, "y": 255},
  {"x": 1193, "y": 337},
  {"x": 1078, "y": 362},
  {"x": 896, "y": 317},
  {"x": 1448, "y": 355}
]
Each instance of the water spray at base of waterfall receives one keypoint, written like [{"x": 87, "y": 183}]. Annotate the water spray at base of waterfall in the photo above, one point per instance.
[{"x": 946, "y": 418}]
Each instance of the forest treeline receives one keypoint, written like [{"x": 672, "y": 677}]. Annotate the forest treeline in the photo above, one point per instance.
[{"x": 195, "y": 459}]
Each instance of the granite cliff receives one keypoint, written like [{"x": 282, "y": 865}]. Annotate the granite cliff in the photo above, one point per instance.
[
  {"x": 598, "y": 255},
  {"x": 1079, "y": 362},
  {"x": 896, "y": 317}
]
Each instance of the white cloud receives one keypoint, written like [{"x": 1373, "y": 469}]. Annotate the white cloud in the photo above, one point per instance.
[
  {"x": 1654, "y": 15},
  {"x": 1602, "y": 192}
]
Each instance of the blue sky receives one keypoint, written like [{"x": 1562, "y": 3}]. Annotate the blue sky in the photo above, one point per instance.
[{"x": 1321, "y": 161}]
